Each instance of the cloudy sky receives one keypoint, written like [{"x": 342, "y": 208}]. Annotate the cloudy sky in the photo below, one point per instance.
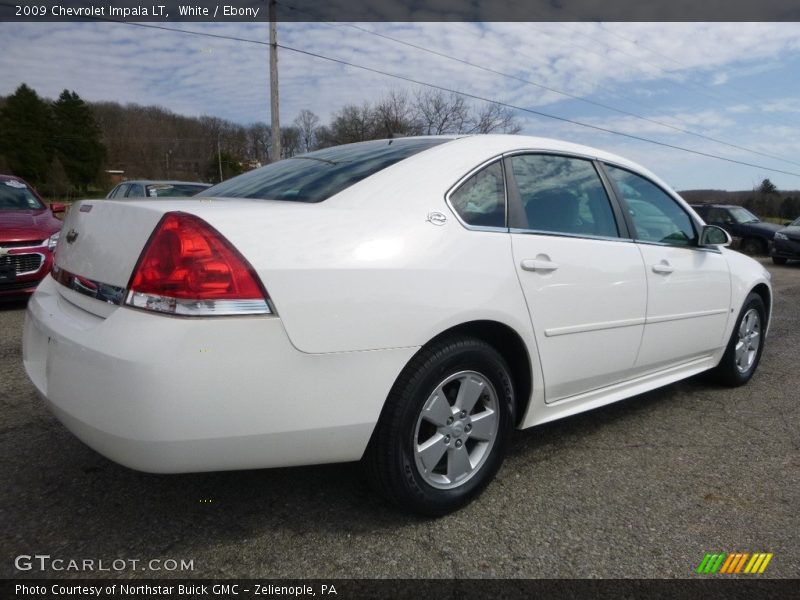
[{"x": 735, "y": 82}]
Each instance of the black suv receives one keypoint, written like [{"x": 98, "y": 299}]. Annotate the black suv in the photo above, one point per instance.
[{"x": 755, "y": 236}]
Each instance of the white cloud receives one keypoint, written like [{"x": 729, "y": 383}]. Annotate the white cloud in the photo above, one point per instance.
[{"x": 661, "y": 70}]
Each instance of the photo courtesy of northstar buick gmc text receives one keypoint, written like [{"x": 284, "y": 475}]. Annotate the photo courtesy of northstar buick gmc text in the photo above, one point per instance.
[{"x": 404, "y": 302}]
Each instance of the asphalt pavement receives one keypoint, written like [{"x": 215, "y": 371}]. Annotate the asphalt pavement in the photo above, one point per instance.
[{"x": 642, "y": 488}]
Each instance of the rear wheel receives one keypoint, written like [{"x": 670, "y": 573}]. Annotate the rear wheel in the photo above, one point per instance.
[
  {"x": 744, "y": 349},
  {"x": 778, "y": 260},
  {"x": 443, "y": 432}
]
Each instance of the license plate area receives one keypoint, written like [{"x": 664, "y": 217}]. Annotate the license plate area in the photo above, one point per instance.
[{"x": 8, "y": 273}]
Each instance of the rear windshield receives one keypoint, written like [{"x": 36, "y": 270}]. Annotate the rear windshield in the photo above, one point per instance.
[
  {"x": 172, "y": 190},
  {"x": 316, "y": 176},
  {"x": 17, "y": 196}
]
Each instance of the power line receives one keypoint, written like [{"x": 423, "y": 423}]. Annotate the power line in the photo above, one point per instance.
[
  {"x": 570, "y": 95},
  {"x": 689, "y": 85},
  {"x": 460, "y": 93}
]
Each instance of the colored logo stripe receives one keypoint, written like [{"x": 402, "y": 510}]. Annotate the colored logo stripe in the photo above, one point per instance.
[{"x": 734, "y": 563}]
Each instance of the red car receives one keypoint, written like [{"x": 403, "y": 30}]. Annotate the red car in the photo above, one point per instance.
[{"x": 28, "y": 235}]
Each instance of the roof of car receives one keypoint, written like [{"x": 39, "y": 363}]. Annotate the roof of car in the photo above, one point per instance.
[
  {"x": 11, "y": 178},
  {"x": 714, "y": 204},
  {"x": 164, "y": 182}
]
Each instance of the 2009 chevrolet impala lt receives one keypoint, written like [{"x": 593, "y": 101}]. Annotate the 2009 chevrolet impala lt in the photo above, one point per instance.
[{"x": 407, "y": 302}]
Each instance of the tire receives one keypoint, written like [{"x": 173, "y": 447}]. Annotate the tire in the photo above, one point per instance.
[
  {"x": 779, "y": 260},
  {"x": 401, "y": 460},
  {"x": 740, "y": 362},
  {"x": 754, "y": 246}
]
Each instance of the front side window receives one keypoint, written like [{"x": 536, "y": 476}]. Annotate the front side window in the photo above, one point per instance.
[
  {"x": 136, "y": 191},
  {"x": 318, "y": 175},
  {"x": 562, "y": 194},
  {"x": 718, "y": 215},
  {"x": 119, "y": 192},
  {"x": 655, "y": 214},
  {"x": 481, "y": 199}
]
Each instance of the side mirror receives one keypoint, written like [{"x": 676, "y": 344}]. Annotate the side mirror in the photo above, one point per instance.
[
  {"x": 787, "y": 223},
  {"x": 57, "y": 207},
  {"x": 714, "y": 236}
]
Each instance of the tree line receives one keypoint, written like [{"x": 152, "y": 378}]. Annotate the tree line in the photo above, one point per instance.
[
  {"x": 65, "y": 147},
  {"x": 764, "y": 200}
]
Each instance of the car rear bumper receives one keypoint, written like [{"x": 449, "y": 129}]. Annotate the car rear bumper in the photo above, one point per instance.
[{"x": 165, "y": 394}]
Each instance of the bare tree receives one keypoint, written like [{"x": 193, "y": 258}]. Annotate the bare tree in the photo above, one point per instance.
[
  {"x": 351, "y": 124},
  {"x": 493, "y": 118},
  {"x": 259, "y": 138},
  {"x": 439, "y": 113},
  {"x": 396, "y": 115},
  {"x": 290, "y": 141},
  {"x": 307, "y": 124}
]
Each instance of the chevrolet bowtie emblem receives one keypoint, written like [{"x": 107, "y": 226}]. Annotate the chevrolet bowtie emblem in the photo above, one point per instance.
[{"x": 72, "y": 235}]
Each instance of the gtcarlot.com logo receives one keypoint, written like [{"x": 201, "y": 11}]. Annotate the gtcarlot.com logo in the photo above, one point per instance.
[
  {"x": 45, "y": 562},
  {"x": 735, "y": 562}
]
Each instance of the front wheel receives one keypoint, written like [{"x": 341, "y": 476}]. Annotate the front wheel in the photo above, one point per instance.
[
  {"x": 778, "y": 260},
  {"x": 744, "y": 349},
  {"x": 443, "y": 432},
  {"x": 754, "y": 246}
]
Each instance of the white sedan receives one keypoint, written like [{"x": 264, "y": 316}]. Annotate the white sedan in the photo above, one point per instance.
[{"x": 407, "y": 302}]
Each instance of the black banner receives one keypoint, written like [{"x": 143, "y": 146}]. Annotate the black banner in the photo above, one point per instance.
[
  {"x": 713, "y": 588},
  {"x": 397, "y": 10}
]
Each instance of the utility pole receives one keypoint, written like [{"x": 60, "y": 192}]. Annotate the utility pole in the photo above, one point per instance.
[
  {"x": 219, "y": 160},
  {"x": 273, "y": 81}
]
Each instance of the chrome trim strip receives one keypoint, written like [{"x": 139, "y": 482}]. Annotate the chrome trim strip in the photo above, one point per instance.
[
  {"x": 556, "y": 331},
  {"x": 34, "y": 247},
  {"x": 715, "y": 249},
  {"x": 104, "y": 292},
  {"x": 691, "y": 315},
  {"x": 196, "y": 308},
  {"x": 604, "y": 325},
  {"x": 579, "y": 236}
]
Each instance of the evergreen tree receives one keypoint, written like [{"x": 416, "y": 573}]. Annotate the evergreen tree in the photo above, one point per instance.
[
  {"x": 26, "y": 123},
  {"x": 77, "y": 141},
  {"x": 767, "y": 187}
]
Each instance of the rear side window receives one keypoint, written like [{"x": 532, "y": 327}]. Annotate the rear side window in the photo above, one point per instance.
[
  {"x": 481, "y": 199},
  {"x": 317, "y": 176},
  {"x": 655, "y": 214},
  {"x": 562, "y": 194}
]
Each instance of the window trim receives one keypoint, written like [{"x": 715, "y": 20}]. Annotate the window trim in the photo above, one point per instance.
[
  {"x": 515, "y": 197},
  {"x": 455, "y": 187},
  {"x": 696, "y": 225}
]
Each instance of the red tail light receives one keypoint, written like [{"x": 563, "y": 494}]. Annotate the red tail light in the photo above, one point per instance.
[{"x": 188, "y": 268}]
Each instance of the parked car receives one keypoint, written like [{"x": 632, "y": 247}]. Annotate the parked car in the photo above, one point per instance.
[
  {"x": 406, "y": 302},
  {"x": 786, "y": 245},
  {"x": 754, "y": 235},
  {"x": 145, "y": 188},
  {"x": 28, "y": 235}
]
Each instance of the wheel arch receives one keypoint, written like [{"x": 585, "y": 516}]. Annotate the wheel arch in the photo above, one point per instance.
[
  {"x": 766, "y": 296},
  {"x": 509, "y": 343}
]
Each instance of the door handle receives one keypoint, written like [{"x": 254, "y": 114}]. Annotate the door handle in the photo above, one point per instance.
[
  {"x": 663, "y": 268},
  {"x": 545, "y": 266}
]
